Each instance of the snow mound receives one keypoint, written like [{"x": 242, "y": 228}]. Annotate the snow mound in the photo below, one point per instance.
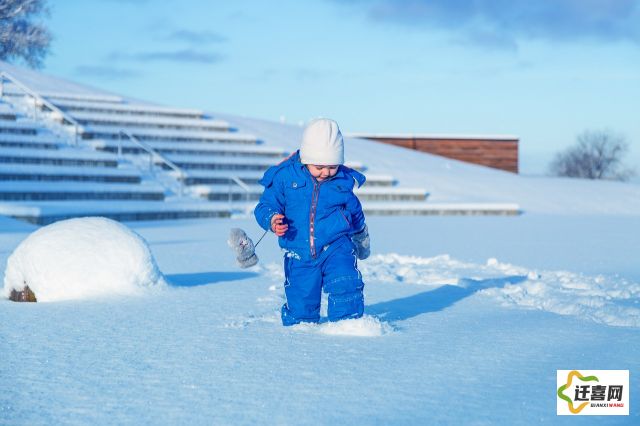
[
  {"x": 366, "y": 326},
  {"x": 604, "y": 299},
  {"x": 82, "y": 258}
]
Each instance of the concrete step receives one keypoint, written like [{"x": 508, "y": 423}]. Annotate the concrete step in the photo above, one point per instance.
[
  {"x": 8, "y": 116},
  {"x": 174, "y": 135},
  {"x": 205, "y": 177},
  {"x": 213, "y": 162},
  {"x": 377, "y": 208},
  {"x": 46, "y": 212},
  {"x": 121, "y": 108},
  {"x": 10, "y": 127},
  {"x": 99, "y": 98},
  {"x": 48, "y": 173},
  {"x": 40, "y": 191},
  {"x": 66, "y": 157},
  {"x": 441, "y": 209},
  {"x": 191, "y": 148},
  {"x": 6, "y": 112},
  {"x": 42, "y": 140},
  {"x": 106, "y": 119},
  {"x": 256, "y": 163},
  {"x": 29, "y": 141},
  {"x": 391, "y": 194},
  {"x": 251, "y": 177},
  {"x": 235, "y": 193}
]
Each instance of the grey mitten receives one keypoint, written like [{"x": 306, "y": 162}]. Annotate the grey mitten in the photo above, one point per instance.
[
  {"x": 362, "y": 243},
  {"x": 244, "y": 248}
]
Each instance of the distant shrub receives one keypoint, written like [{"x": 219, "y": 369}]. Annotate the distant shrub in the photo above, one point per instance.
[{"x": 597, "y": 154}]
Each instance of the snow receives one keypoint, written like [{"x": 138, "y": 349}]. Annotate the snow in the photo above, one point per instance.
[
  {"x": 463, "y": 309},
  {"x": 453, "y": 313},
  {"x": 466, "y": 321},
  {"x": 611, "y": 301},
  {"x": 81, "y": 259},
  {"x": 367, "y": 326}
]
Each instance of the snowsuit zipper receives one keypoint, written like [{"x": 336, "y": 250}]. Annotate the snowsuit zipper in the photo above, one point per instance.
[{"x": 312, "y": 216}]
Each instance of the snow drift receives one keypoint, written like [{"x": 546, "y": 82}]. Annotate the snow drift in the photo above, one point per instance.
[{"x": 82, "y": 258}]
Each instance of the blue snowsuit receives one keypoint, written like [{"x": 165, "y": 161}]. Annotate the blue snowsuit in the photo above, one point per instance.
[{"x": 319, "y": 253}]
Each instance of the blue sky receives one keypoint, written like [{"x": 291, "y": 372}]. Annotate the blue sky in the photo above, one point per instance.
[{"x": 543, "y": 70}]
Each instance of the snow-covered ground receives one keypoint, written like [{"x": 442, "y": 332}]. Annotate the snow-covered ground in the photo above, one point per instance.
[
  {"x": 467, "y": 318},
  {"x": 467, "y": 321}
]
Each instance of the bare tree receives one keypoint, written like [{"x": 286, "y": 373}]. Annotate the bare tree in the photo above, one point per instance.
[
  {"x": 20, "y": 36},
  {"x": 597, "y": 154}
]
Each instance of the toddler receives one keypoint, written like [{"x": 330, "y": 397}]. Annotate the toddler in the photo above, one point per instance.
[{"x": 308, "y": 202}]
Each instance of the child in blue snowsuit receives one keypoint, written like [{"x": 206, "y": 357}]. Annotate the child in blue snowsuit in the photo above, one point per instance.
[{"x": 308, "y": 201}]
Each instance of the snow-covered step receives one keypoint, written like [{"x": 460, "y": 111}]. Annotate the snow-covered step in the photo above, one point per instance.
[
  {"x": 172, "y": 135},
  {"x": 355, "y": 165},
  {"x": 18, "y": 127},
  {"x": 5, "y": 107},
  {"x": 253, "y": 192},
  {"x": 25, "y": 191},
  {"x": 44, "y": 136},
  {"x": 221, "y": 162},
  {"x": 82, "y": 97},
  {"x": 228, "y": 192},
  {"x": 7, "y": 116},
  {"x": 441, "y": 209},
  {"x": 7, "y": 112},
  {"x": 43, "y": 172},
  {"x": 391, "y": 194},
  {"x": 67, "y": 157},
  {"x": 206, "y": 177},
  {"x": 230, "y": 163},
  {"x": 379, "y": 180},
  {"x": 94, "y": 118},
  {"x": 45, "y": 212},
  {"x": 124, "y": 108},
  {"x": 191, "y": 148},
  {"x": 37, "y": 141}
]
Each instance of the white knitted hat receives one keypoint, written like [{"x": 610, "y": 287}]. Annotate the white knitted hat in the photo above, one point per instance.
[{"x": 322, "y": 143}]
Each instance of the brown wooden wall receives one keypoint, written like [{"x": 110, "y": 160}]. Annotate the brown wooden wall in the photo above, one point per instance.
[{"x": 497, "y": 153}]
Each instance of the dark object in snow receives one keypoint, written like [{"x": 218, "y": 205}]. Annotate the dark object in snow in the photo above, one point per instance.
[
  {"x": 362, "y": 243},
  {"x": 244, "y": 247},
  {"x": 25, "y": 295}
]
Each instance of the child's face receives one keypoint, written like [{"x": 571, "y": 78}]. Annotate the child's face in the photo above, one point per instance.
[{"x": 322, "y": 172}]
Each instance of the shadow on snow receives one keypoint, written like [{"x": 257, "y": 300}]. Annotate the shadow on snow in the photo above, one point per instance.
[
  {"x": 205, "y": 278},
  {"x": 436, "y": 300}
]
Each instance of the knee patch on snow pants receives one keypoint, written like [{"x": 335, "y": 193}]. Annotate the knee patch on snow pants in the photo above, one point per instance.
[
  {"x": 345, "y": 294},
  {"x": 334, "y": 271}
]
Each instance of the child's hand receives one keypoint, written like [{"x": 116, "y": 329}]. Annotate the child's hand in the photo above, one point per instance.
[{"x": 277, "y": 225}]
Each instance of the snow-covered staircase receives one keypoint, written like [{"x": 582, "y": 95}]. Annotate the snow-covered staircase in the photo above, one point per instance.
[
  {"x": 76, "y": 153},
  {"x": 47, "y": 176}
]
